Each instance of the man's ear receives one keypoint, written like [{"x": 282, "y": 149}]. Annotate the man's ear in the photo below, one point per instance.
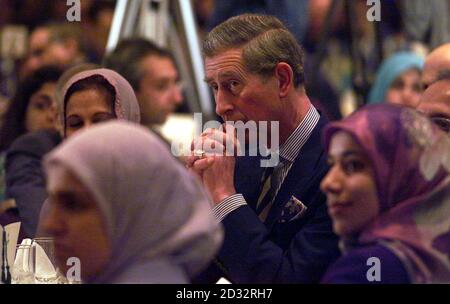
[{"x": 285, "y": 76}]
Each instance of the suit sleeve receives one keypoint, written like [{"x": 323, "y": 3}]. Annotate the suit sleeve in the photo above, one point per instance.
[
  {"x": 249, "y": 256},
  {"x": 25, "y": 182}
]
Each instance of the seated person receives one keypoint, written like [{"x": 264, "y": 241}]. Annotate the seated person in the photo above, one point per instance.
[
  {"x": 398, "y": 80},
  {"x": 33, "y": 108},
  {"x": 435, "y": 103},
  {"x": 388, "y": 193},
  {"x": 89, "y": 97},
  {"x": 126, "y": 208}
]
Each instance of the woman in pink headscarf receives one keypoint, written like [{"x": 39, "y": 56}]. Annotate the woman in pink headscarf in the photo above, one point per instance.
[
  {"x": 388, "y": 193},
  {"x": 127, "y": 209},
  {"x": 94, "y": 96},
  {"x": 88, "y": 97}
]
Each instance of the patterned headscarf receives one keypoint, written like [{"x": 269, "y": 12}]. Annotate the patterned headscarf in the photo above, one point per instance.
[
  {"x": 410, "y": 158},
  {"x": 154, "y": 209}
]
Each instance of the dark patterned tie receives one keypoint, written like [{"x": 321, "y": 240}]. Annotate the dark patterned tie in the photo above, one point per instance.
[{"x": 270, "y": 182}]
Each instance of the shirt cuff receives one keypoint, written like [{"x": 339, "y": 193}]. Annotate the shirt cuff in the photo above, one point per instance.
[{"x": 228, "y": 205}]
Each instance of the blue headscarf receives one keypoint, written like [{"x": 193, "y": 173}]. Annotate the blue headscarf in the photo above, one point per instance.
[{"x": 390, "y": 69}]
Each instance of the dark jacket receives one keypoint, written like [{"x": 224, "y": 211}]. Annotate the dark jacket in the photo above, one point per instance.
[
  {"x": 25, "y": 181},
  {"x": 297, "y": 251}
]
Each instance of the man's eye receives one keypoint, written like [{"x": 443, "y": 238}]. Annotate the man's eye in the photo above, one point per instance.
[
  {"x": 214, "y": 87},
  {"x": 233, "y": 85}
]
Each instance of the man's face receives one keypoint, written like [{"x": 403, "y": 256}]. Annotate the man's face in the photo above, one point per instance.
[
  {"x": 437, "y": 61},
  {"x": 159, "y": 91},
  {"x": 39, "y": 40},
  {"x": 45, "y": 52},
  {"x": 435, "y": 101},
  {"x": 430, "y": 72},
  {"x": 240, "y": 95}
]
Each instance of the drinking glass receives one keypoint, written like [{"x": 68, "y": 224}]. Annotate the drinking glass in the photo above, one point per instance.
[{"x": 45, "y": 267}]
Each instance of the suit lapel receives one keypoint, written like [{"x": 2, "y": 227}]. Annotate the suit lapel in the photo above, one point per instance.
[
  {"x": 301, "y": 173},
  {"x": 248, "y": 173}
]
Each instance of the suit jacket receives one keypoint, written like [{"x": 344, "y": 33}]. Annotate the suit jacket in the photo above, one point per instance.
[
  {"x": 352, "y": 267},
  {"x": 280, "y": 251},
  {"x": 25, "y": 181}
]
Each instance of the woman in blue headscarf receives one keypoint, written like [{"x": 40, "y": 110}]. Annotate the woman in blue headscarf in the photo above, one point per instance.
[{"x": 398, "y": 80}]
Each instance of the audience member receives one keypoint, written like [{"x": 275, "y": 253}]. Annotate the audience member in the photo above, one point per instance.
[
  {"x": 436, "y": 63},
  {"x": 33, "y": 108},
  {"x": 152, "y": 73},
  {"x": 127, "y": 209},
  {"x": 57, "y": 44},
  {"x": 276, "y": 224},
  {"x": 89, "y": 97},
  {"x": 388, "y": 193},
  {"x": 398, "y": 80},
  {"x": 435, "y": 103}
]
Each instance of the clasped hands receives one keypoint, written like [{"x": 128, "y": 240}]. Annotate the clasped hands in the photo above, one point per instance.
[{"x": 213, "y": 163}]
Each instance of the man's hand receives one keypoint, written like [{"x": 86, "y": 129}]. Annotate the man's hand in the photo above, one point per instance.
[{"x": 213, "y": 164}]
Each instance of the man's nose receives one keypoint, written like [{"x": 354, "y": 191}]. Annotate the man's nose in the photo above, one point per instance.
[
  {"x": 224, "y": 105},
  {"x": 177, "y": 95}
]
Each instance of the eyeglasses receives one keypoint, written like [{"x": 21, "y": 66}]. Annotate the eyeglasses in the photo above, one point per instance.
[{"x": 443, "y": 123}]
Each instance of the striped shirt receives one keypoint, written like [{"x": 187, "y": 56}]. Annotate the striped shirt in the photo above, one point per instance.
[{"x": 289, "y": 151}]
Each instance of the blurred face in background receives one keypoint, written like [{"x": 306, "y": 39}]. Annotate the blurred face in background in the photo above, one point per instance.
[
  {"x": 352, "y": 198},
  {"x": 159, "y": 91},
  {"x": 75, "y": 221},
  {"x": 86, "y": 108},
  {"x": 43, "y": 51},
  {"x": 39, "y": 40},
  {"x": 405, "y": 89},
  {"x": 435, "y": 103},
  {"x": 41, "y": 110}
]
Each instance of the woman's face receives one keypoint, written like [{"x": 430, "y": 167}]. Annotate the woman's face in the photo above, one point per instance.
[
  {"x": 41, "y": 111},
  {"x": 75, "y": 221},
  {"x": 85, "y": 108},
  {"x": 405, "y": 89},
  {"x": 350, "y": 187}
]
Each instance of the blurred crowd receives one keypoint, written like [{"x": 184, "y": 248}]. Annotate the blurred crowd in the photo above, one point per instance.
[{"x": 56, "y": 79}]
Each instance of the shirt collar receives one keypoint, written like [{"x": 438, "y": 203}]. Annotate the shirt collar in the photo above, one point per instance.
[{"x": 292, "y": 146}]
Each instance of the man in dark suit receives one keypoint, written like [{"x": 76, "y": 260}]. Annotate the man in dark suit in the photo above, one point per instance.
[{"x": 277, "y": 229}]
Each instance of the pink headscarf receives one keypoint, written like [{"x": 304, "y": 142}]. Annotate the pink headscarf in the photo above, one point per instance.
[
  {"x": 126, "y": 106},
  {"x": 410, "y": 158},
  {"x": 158, "y": 217}
]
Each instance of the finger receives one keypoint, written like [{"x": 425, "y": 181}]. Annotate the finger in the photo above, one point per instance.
[
  {"x": 191, "y": 159},
  {"x": 203, "y": 164}
]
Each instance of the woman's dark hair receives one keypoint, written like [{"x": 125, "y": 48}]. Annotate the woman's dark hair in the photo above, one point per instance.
[
  {"x": 14, "y": 117},
  {"x": 94, "y": 82}
]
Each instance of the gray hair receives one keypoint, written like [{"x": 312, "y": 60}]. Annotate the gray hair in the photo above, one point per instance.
[{"x": 264, "y": 40}]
